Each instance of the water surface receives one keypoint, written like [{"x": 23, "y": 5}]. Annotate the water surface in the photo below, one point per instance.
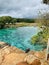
[{"x": 20, "y": 37}]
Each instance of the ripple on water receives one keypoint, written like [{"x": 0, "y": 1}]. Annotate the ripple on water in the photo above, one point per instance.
[{"x": 20, "y": 37}]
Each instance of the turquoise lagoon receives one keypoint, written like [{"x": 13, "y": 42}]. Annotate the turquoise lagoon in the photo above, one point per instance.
[{"x": 20, "y": 37}]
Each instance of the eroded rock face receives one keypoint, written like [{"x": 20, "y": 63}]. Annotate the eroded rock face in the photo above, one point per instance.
[
  {"x": 13, "y": 56},
  {"x": 11, "y": 53}
]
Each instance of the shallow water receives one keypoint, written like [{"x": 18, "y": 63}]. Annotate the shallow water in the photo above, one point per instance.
[{"x": 20, "y": 37}]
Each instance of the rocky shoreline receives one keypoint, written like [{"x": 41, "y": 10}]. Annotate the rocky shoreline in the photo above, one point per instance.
[{"x": 13, "y": 56}]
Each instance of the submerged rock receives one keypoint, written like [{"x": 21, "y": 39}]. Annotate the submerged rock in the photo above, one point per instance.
[{"x": 27, "y": 50}]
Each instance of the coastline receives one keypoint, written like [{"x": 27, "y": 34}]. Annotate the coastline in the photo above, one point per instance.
[{"x": 17, "y": 55}]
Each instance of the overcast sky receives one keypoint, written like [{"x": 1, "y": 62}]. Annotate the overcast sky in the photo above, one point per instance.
[{"x": 22, "y": 8}]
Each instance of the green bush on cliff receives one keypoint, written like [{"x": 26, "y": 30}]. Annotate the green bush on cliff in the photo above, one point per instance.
[
  {"x": 41, "y": 37},
  {"x": 34, "y": 39}
]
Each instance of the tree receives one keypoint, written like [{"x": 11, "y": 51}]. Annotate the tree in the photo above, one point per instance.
[
  {"x": 14, "y": 20},
  {"x": 4, "y": 20},
  {"x": 42, "y": 36},
  {"x": 45, "y": 21},
  {"x": 2, "y": 23}
]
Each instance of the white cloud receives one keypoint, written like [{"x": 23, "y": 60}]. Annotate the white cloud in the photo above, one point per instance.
[{"x": 22, "y": 8}]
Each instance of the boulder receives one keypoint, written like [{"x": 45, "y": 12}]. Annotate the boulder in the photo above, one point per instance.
[
  {"x": 27, "y": 50},
  {"x": 29, "y": 59}
]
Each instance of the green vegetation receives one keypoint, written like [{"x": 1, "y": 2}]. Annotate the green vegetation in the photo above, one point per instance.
[
  {"x": 43, "y": 22},
  {"x": 4, "y": 20},
  {"x": 9, "y": 20},
  {"x": 42, "y": 36}
]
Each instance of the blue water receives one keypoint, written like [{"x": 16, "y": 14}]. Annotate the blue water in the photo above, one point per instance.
[{"x": 20, "y": 37}]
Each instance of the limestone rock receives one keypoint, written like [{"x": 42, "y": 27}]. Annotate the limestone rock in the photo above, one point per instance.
[
  {"x": 13, "y": 56},
  {"x": 1, "y": 58},
  {"x": 44, "y": 63},
  {"x": 29, "y": 59},
  {"x": 36, "y": 62},
  {"x": 4, "y": 51},
  {"x": 40, "y": 55},
  {"x": 13, "y": 59},
  {"x": 31, "y": 52},
  {"x": 2, "y": 43}
]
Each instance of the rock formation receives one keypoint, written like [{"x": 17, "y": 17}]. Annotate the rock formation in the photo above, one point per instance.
[{"x": 13, "y": 56}]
